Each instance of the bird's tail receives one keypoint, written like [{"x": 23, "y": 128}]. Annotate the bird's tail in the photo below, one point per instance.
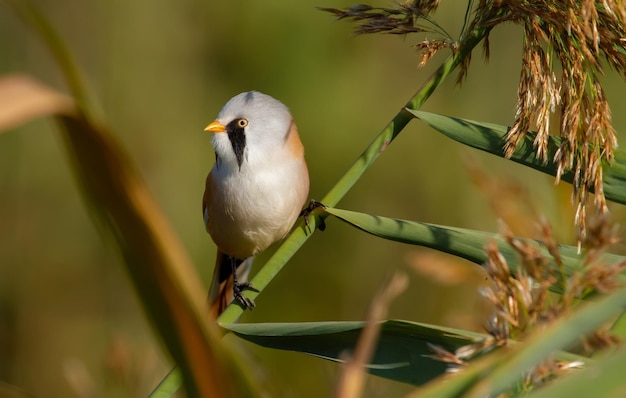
[{"x": 221, "y": 292}]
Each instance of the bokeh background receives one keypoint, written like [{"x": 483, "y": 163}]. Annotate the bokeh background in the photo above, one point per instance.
[{"x": 70, "y": 323}]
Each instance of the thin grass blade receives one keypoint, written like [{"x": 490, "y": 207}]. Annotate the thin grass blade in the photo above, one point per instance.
[
  {"x": 491, "y": 137},
  {"x": 465, "y": 243},
  {"x": 403, "y": 353}
]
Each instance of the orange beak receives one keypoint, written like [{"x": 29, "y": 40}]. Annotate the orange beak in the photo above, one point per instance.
[{"x": 215, "y": 127}]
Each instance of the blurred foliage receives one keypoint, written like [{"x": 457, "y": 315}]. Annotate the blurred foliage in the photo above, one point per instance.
[{"x": 69, "y": 320}]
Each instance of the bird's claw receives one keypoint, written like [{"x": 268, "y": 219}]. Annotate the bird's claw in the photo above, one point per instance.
[
  {"x": 245, "y": 302},
  {"x": 313, "y": 204}
]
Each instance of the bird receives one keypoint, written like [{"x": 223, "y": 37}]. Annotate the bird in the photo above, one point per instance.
[{"x": 255, "y": 191}]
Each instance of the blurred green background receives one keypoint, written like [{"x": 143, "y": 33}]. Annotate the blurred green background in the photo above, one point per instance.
[{"x": 70, "y": 324}]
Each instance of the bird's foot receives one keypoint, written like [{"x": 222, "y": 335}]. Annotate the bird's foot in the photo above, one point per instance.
[
  {"x": 306, "y": 212},
  {"x": 245, "y": 302}
]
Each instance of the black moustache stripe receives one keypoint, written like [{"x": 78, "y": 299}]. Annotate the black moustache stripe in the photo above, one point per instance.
[{"x": 237, "y": 138}]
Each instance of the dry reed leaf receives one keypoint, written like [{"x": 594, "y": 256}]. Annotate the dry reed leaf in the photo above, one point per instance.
[
  {"x": 163, "y": 275},
  {"x": 122, "y": 204},
  {"x": 23, "y": 99}
]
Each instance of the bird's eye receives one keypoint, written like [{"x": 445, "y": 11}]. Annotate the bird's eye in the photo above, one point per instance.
[{"x": 242, "y": 123}]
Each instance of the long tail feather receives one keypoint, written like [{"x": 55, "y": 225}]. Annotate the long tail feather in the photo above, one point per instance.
[{"x": 221, "y": 292}]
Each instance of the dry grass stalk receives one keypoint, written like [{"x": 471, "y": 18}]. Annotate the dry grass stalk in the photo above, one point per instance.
[
  {"x": 523, "y": 303},
  {"x": 407, "y": 17},
  {"x": 565, "y": 45},
  {"x": 352, "y": 378}
]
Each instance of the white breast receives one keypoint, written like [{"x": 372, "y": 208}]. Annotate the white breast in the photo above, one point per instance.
[{"x": 253, "y": 207}]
